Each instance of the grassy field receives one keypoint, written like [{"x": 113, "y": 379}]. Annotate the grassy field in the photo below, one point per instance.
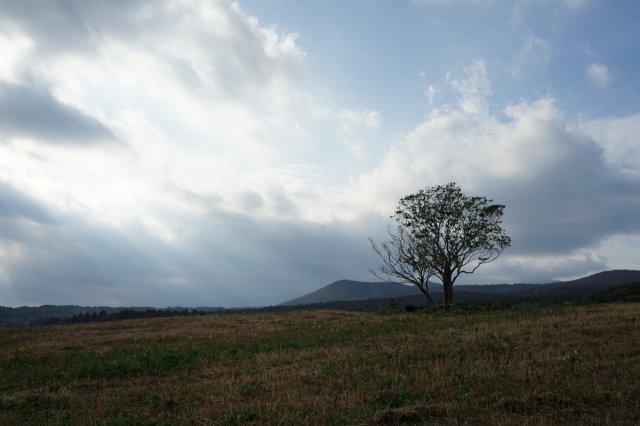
[{"x": 564, "y": 364}]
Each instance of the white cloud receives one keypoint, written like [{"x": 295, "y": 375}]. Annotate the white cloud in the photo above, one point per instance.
[
  {"x": 430, "y": 92},
  {"x": 453, "y": 2},
  {"x": 473, "y": 89},
  {"x": 522, "y": 10},
  {"x": 598, "y": 74},
  {"x": 575, "y": 4},
  {"x": 199, "y": 106},
  {"x": 225, "y": 157},
  {"x": 217, "y": 135},
  {"x": 543, "y": 268},
  {"x": 353, "y": 129},
  {"x": 14, "y": 47},
  {"x": 533, "y": 55},
  {"x": 618, "y": 138},
  {"x": 563, "y": 195},
  {"x": 621, "y": 250}
]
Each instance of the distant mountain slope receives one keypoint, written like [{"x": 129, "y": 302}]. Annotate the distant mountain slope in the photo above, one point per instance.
[
  {"x": 351, "y": 291},
  {"x": 345, "y": 290},
  {"x": 584, "y": 287},
  {"x": 605, "y": 278}
]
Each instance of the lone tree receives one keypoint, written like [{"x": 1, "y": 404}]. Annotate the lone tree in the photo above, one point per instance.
[{"x": 441, "y": 232}]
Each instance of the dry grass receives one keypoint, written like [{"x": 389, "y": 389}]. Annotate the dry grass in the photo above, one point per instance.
[{"x": 548, "y": 366}]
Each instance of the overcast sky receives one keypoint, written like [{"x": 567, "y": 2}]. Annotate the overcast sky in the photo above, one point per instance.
[{"x": 206, "y": 152}]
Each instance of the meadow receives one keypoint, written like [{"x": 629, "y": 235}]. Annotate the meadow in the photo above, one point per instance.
[{"x": 560, "y": 364}]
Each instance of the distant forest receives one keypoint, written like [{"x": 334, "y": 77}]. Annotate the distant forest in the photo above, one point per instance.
[{"x": 72, "y": 314}]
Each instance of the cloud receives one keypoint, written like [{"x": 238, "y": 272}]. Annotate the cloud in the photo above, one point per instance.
[
  {"x": 235, "y": 183},
  {"x": 430, "y": 93},
  {"x": 223, "y": 258},
  {"x": 208, "y": 103},
  {"x": 525, "y": 12},
  {"x": 353, "y": 127},
  {"x": 15, "y": 48},
  {"x": 32, "y": 112},
  {"x": 575, "y": 4},
  {"x": 564, "y": 194},
  {"x": 214, "y": 51},
  {"x": 618, "y": 138},
  {"x": 533, "y": 54},
  {"x": 14, "y": 204},
  {"x": 544, "y": 268},
  {"x": 55, "y": 26},
  {"x": 598, "y": 74},
  {"x": 221, "y": 192},
  {"x": 453, "y": 2},
  {"x": 473, "y": 89},
  {"x": 76, "y": 262}
]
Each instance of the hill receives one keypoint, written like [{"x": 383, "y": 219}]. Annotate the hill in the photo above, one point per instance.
[
  {"x": 353, "y": 290},
  {"x": 356, "y": 295}
]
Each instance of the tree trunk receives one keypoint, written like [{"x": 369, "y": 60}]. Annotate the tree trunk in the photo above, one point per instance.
[
  {"x": 426, "y": 294},
  {"x": 447, "y": 288}
]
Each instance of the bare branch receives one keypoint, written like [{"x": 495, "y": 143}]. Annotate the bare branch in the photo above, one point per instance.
[{"x": 402, "y": 261}]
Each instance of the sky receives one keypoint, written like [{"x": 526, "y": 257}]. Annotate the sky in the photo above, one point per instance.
[{"x": 216, "y": 153}]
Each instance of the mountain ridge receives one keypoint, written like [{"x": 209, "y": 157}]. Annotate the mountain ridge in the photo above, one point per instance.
[{"x": 350, "y": 290}]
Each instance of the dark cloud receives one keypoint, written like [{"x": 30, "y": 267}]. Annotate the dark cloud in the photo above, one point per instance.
[
  {"x": 264, "y": 261},
  {"x": 77, "y": 263},
  {"x": 576, "y": 203},
  {"x": 59, "y": 26},
  {"x": 251, "y": 201},
  {"x": 34, "y": 112},
  {"x": 232, "y": 260},
  {"x": 14, "y": 204}
]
